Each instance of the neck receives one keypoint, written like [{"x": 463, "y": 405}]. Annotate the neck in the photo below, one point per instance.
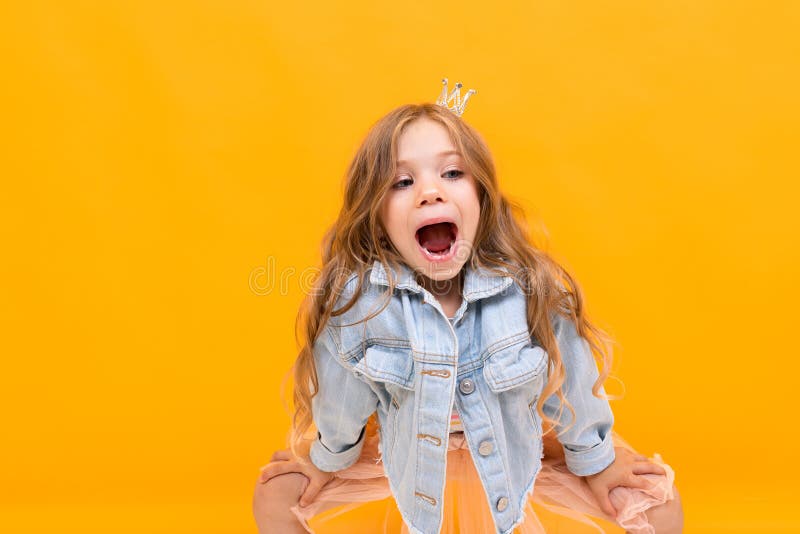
[
  {"x": 442, "y": 288},
  {"x": 447, "y": 292}
]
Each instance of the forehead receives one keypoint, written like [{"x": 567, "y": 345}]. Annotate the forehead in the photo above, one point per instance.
[{"x": 424, "y": 139}]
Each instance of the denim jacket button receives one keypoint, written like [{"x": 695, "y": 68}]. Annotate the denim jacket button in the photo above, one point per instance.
[
  {"x": 502, "y": 504},
  {"x": 485, "y": 448},
  {"x": 466, "y": 386}
]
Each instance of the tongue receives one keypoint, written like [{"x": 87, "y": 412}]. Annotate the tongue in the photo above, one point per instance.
[{"x": 435, "y": 237}]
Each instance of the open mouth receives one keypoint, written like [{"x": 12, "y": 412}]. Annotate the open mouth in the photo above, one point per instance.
[{"x": 438, "y": 241}]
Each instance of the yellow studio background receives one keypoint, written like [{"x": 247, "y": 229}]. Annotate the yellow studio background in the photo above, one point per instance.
[{"x": 169, "y": 169}]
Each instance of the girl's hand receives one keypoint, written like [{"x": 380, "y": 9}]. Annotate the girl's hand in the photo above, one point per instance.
[
  {"x": 285, "y": 462},
  {"x": 622, "y": 472}
]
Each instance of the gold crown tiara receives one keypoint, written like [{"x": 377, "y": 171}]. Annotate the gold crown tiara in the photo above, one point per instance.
[{"x": 445, "y": 99}]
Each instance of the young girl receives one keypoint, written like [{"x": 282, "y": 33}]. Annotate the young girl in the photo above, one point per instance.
[{"x": 448, "y": 363}]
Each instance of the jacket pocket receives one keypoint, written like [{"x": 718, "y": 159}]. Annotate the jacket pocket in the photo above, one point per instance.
[
  {"x": 517, "y": 375},
  {"x": 387, "y": 364},
  {"x": 512, "y": 366}
]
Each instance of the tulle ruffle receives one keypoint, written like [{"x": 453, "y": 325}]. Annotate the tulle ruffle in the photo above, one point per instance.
[{"x": 466, "y": 509}]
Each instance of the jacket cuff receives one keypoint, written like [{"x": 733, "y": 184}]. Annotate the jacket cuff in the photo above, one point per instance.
[
  {"x": 593, "y": 460},
  {"x": 327, "y": 460}
]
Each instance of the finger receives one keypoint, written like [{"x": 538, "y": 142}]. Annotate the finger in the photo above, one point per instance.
[
  {"x": 638, "y": 482},
  {"x": 269, "y": 464},
  {"x": 607, "y": 507},
  {"x": 278, "y": 468},
  {"x": 605, "y": 503},
  {"x": 311, "y": 492},
  {"x": 265, "y": 467},
  {"x": 281, "y": 455},
  {"x": 640, "y": 458},
  {"x": 644, "y": 468}
]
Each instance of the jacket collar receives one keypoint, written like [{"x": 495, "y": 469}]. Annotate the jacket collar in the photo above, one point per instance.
[{"x": 478, "y": 283}]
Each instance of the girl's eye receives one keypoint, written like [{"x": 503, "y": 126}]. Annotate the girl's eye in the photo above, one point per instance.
[
  {"x": 399, "y": 183},
  {"x": 406, "y": 182}
]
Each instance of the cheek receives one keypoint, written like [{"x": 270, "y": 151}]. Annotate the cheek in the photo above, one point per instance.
[
  {"x": 474, "y": 222},
  {"x": 391, "y": 217},
  {"x": 472, "y": 211}
]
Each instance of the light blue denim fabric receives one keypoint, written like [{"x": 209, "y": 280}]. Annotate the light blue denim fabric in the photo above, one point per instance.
[{"x": 409, "y": 363}]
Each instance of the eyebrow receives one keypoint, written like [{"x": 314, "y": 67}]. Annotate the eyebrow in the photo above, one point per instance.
[{"x": 440, "y": 154}]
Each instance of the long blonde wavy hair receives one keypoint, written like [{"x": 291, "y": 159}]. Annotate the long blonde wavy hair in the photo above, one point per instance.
[{"x": 356, "y": 239}]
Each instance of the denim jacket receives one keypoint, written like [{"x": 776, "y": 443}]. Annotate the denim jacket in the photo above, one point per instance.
[{"x": 412, "y": 364}]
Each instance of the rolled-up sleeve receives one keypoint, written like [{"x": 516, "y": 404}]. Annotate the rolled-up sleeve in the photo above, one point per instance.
[
  {"x": 588, "y": 447},
  {"x": 340, "y": 408}
]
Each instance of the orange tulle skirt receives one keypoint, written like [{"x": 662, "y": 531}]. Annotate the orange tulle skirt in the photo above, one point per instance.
[{"x": 466, "y": 509}]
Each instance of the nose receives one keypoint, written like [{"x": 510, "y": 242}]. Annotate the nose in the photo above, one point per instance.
[{"x": 430, "y": 194}]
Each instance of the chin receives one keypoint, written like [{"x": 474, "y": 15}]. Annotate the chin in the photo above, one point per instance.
[{"x": 440, "y": 273}]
